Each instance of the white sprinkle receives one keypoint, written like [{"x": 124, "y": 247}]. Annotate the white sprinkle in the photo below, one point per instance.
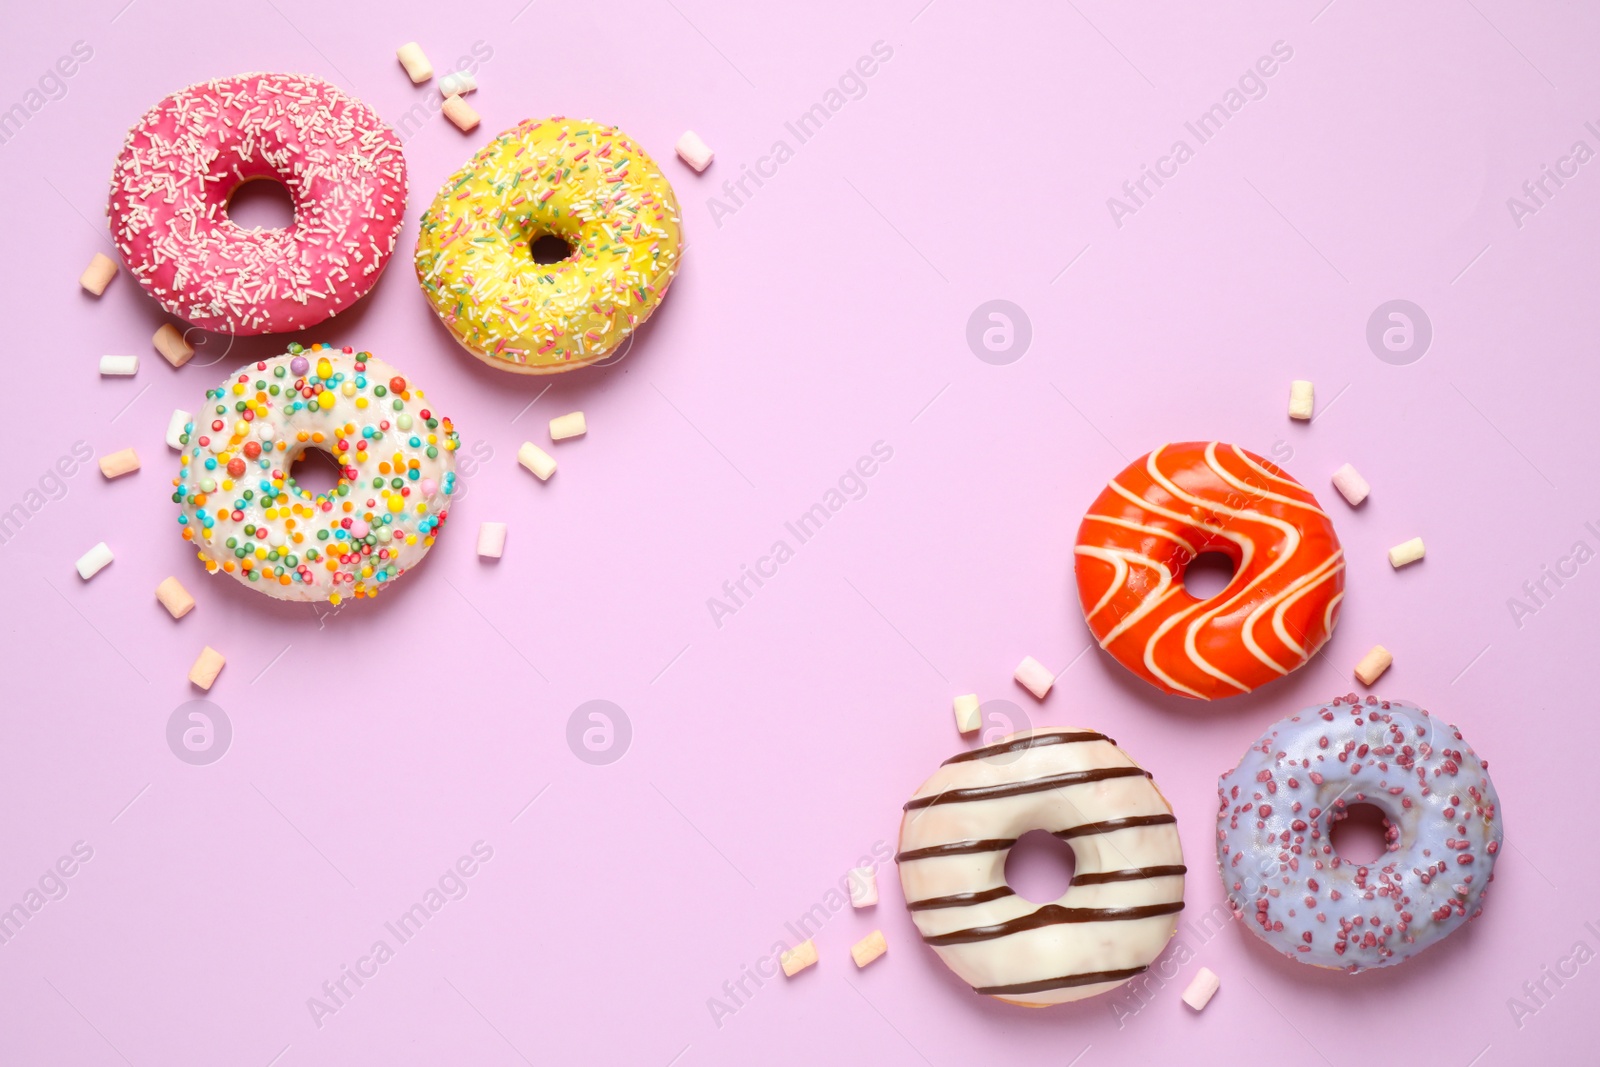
[
  {"x": 117, "y": 464},
  {"x": 1034, "y": 677},
  {"x": 174, "y": 597},
  {"x": 415, "y": 61},
  {"x": 459, "y": 112},
  {"x": 1301, "y": 398},
  {"x": 458, "y": 83},
  {"x": 798, "y": 958},
  {"x": 1406, "y": 552},
  {"x": 868, "y": 948},
  {"x": 1350, "y": 483},
  {"x": 693, "y": 151},
  {"x": 967, "y": 717},
  {"x": 98, "y": 274},
  {"x": 1373, "y": 664},
  {"x": 536, "y": 460},
  {"x": 1202, "y": 989},
  {"x": 206, "y": 667},
  {"x": 570, "y": 425},
  {"x": 92, "y": 561},
  {"x": 863, "y": 883},
  {"x": 175, "y": 431},
  {"x": 491, "y": 539},
  {"x": 170, "y": 343}
]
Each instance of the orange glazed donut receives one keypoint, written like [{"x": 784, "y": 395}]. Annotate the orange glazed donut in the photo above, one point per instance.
[{"x": 1161, "y": 512}]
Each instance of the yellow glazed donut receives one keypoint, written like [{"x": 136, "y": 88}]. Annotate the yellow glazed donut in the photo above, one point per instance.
[{"x": 583, "y": 182}]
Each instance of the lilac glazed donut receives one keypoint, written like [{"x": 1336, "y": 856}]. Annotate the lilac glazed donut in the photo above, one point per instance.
[{"x": 1277, "y": 808}]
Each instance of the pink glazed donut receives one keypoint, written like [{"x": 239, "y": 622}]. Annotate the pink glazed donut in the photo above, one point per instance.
[{"x": 182, "y": 163}]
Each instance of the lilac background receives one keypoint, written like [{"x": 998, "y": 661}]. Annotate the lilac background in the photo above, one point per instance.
[{"x": 374, "y": 747}]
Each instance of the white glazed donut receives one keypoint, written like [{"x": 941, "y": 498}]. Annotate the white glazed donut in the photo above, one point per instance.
[
  {"x": 243, "y": 512},
  {"x": 1115, "y": 918}
]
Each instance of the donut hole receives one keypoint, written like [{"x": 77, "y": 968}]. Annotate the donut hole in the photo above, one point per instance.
[
  {"x": 1040, "y": 867},
  {"x": 261, "y": 204},
  {"x": 1208, "y": 574},
  {"x": 547, "y": 248},
  {"x": 315, "y": 471},
  {"x": 1361, "y": 834}
]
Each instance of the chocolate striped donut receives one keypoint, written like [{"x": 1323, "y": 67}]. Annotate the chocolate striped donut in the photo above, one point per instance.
[
  {"x": 1121, "y": 907},
  {"x": 1162, "y": 511}
]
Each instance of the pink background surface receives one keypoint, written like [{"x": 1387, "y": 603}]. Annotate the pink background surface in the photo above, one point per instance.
[{"x": 374, "y": 747}]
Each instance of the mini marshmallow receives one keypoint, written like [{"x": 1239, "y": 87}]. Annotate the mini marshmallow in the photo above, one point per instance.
[
  {"x": 1406, "y": 552},
  {"x": 458, "y": 83},
  {"x": 1351, "y": 485},
  {"x": 119, "y": 366},
  {"x": 1034, "y": 677},
  {"x": 174, "y": 597},
  {"x": 1373, "y": 664},
  {"x": 536, "y": 460},
  {"x": 863, "y": 887},
  {"x": 119, "y": 463},
  {"x": 565, "y": 426},
  {"x": 175, "y": 428},
  {"x": 93, "y": 561},
  {"x": 868, "y": 948},
  {"x": 98, "y": 274},
  {"x": 460, "y": 112},
  {"x": 798, "y": 958},
  {"x": 1301, "y": 395},
  {"x": 411, "y": 57},
  {"x": 1202, "y": 989},
  {"x": 967, "y": 716},
  {"x": 693, "y": 151},
  {"x": 206, "y": 667},
  {"x": 491, "y": 539},
  {"x": 170, "y": 343}
]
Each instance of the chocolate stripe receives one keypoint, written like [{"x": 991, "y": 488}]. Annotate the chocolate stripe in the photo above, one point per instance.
[
  {"x": 1023, "y": 744},
  {"x": 957, "y": 848},
  {"x": 958, "y": 900},
  {"x": 1130, "y": 874},
  {"x": 1090, "y": 828},
  {"x": 1051, "y": 915},
  {"x": 1064, "y": 982},
  {"x": 1014, "y": 789}
]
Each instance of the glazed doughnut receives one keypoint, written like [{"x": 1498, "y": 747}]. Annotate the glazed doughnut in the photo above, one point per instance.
[
  {"x": 1121, "y": 907},
  {"x": 1166, "y": 508},
  {"x": 585, "y": 183},
  {"x": 184, "y": 160},
  {"x": 243, "y": 512},
  {"x": 1285, "y": 881}
]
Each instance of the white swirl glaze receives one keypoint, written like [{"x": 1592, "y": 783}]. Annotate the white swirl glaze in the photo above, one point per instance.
[{"x": 1110, "y": 924}]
